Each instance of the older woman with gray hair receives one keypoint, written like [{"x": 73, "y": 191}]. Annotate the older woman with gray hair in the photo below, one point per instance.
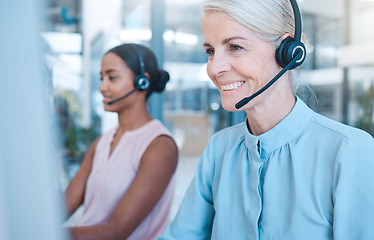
[{"x": 286, "y": 172}]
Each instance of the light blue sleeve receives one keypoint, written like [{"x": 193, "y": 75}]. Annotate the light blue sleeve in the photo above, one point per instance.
[
  {"x": 195, "y": 215},
  {"x": 353, "y": 197}
]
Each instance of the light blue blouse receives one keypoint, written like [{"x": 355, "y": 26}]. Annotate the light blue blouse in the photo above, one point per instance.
[{"x": 307, "y": 178}]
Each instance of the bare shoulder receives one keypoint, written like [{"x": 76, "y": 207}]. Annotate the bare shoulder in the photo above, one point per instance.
[
  {"x": 164, "y": 141},
  {"x": 162, "y": 150}
]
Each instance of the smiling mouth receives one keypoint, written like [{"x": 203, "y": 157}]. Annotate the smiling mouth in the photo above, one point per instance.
[{"x": 230, "y": 87}]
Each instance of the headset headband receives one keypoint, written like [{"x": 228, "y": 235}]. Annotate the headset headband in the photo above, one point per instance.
[
  {"x": 298, "y": 23},
  {"x": 140, "y": 59}
]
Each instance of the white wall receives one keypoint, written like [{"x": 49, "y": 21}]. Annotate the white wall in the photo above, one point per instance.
[
  {"x": 360, "y": 51},
  {"x": 97, "y": 17},
  {"x": 330, "y": 8},
  {"x": 362, "y": 27}
]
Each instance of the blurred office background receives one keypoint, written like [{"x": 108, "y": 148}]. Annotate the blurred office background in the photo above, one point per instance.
[{"x": 72, "y": 35}]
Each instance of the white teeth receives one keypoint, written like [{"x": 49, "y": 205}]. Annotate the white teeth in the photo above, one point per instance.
[{"x": 230, "y": 87}]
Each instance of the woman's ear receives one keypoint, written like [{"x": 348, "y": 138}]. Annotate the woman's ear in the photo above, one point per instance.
[
  {"x": 287, "y": 35},
  {"x": 147, "y": 75}
]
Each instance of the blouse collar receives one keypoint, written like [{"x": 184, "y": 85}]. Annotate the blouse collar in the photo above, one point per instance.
[{"x": 285, "y": 131}]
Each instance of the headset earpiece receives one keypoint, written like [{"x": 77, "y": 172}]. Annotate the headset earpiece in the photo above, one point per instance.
[
  {"x": 141, "y": 81},
  {"x": 287, "y": 50}
]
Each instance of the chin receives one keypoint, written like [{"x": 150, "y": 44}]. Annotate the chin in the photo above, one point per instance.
[
  {"x": 108, "y": 109},
  {"x": 230, "y": 105}
]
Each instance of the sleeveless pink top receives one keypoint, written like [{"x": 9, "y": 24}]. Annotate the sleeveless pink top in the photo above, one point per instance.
[{"x": 111, "y": 176}]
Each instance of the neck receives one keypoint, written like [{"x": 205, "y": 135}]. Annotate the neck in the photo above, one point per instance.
[
  {"x": 134, "y": 117},
  {"x": 270, "y": 110}
]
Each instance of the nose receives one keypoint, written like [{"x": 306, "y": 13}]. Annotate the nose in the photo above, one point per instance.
[
  {"x": 103, "y": 86},
  {"x": 218, "y": 64}
]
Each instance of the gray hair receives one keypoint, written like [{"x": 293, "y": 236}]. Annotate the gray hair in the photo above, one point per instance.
[{"x": 270, "y": 19}]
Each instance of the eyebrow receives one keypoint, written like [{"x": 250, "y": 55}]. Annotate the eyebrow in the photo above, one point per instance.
[
  {"x": 207, "y": 45},
  {"x": 108, "y": 71},
  {"x": 227, "y": 40}
]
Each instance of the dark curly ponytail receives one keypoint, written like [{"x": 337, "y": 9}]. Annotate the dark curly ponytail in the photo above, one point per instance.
[{"x": 162, "y": 80}]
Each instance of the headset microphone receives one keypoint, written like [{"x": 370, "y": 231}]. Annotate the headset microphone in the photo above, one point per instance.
[
  {"x": 141, "y": 85},
  {"x": 124, "y": 96},
  {"x": 289, "y": 55}
]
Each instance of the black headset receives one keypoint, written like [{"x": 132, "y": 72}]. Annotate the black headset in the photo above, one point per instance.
[
  {"x": 141, "y": 82},
  {"x": 290, "y": 47},
  {"x": 290, "y": 54}
]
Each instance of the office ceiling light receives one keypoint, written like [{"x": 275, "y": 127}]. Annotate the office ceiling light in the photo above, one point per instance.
[{"x": 137, "y": 35}]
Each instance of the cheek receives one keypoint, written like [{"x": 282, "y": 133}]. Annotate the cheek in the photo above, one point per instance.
[
  {"x": 124, "y": 85},
  {"x": 262, "y": 71},
  {"x": 268, "y": 64},
  {"x": 208, "y": 69}
]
